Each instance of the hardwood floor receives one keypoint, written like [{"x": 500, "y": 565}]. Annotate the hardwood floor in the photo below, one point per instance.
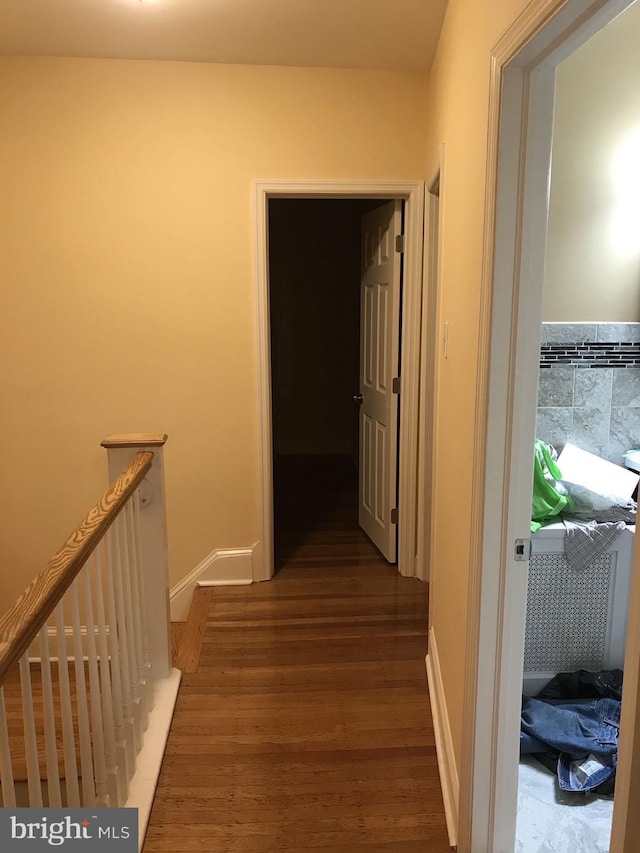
[
  {"x": 306, "y": 724},
  {"x": 15, "y": 718}
]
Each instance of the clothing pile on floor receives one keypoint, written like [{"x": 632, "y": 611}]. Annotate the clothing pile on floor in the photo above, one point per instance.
[{"x": 572, "y": 727}]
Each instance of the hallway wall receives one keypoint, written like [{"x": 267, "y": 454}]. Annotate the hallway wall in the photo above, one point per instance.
[
  {"x": 459, "y": 105},
  {"x": 127, "y": 298},
  {"x": 458, "y": 119}
]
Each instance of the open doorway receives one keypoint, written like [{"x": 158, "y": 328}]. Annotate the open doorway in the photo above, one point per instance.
[
  {"x": 316, "y": 258},
  {"x": 407, "y": 196},
  {"x": 524, "y": 70},
  {"x": 580, "y": 566}
]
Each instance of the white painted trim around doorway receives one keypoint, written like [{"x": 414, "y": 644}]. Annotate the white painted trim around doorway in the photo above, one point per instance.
[
  {"x": 429, "y": 354},
  {"x": 412, "y": 193},
  {"x": 520, "y": 124}
]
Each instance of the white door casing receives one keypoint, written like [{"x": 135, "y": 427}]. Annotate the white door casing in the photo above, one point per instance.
[
  {"x": 430, "y": 312},
  {"x": 379, "y": 361},
  {"x": 412, "y": 195}
]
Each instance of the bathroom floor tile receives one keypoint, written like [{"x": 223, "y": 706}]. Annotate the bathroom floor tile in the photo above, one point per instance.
[{"x": 552, "y": 821}]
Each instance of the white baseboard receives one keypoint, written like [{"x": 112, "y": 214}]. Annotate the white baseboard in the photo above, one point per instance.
[
  {"x": 142, "y": 787},
  {"x": 444, "y": 742},
  {"x": 231, "y": 567}
]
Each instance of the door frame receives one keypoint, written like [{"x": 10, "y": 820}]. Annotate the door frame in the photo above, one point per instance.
[
  {"x": 521, "y": 101},
  {"x": 412, "y": 194},
  {"x": 429, "y": 355}
]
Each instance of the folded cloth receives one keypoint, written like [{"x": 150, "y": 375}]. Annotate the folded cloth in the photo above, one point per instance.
[
  {"x": 583, "y": 732},
  {"x": 622, "y": 511},
  {"x": 585, "y": 541}
]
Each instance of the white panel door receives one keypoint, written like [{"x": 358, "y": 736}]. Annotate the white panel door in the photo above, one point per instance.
[{"x": 379, "y": 362}]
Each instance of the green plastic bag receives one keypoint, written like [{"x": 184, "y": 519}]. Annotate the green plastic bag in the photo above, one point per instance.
[{"x": 549, "y": 497}]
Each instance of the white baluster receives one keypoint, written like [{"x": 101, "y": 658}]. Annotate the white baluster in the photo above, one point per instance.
[
  {"x": 146, "y": 655},
  {"x": 6, "y": 770},
  {"x": 51, "y": 746},
  {"x": 128, "y": 621},
  {"x": 30, "y": 740},
  {"x": 136, "y": 611},
  {"x": 116, "y": 780},
  {"x": 97, "y": 726},
  {"x": 120, "y": 626},
  {"x": 84, "y": 731},
  {"x": 72, "y": 795}
]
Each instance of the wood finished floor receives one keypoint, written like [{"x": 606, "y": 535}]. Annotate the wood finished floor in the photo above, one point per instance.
[
  {"x": 306, "y": 723},
  {"x": 15, "y": 717}
]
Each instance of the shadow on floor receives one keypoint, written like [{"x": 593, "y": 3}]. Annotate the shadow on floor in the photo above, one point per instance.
[{"x": 315, "y": 500}]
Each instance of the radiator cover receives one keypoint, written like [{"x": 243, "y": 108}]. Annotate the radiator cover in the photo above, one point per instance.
[{"x": 576, "y": 619}]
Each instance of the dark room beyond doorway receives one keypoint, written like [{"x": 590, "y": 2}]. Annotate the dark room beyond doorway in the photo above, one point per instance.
[{"x": 314, "y": 280}]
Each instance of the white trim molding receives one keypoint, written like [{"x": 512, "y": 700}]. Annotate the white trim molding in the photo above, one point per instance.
[
  {"x": 412, "y": 193},
  {"x": 429, "y": 355},
  {"x": 230, "y": 567},
  {"x": 444, "y": 741}
]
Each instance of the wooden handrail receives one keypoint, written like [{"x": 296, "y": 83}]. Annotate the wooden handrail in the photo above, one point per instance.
[{"x": 22, "y": 622}]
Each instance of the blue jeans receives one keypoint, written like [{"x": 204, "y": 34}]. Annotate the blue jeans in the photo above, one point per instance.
[{"x": 584, "y": 732}]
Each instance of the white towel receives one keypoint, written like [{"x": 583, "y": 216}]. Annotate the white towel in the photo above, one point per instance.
[{"x": 585, "y": 541}]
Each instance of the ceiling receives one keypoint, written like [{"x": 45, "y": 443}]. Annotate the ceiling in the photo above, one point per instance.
[{"x": 402, "y": 34}]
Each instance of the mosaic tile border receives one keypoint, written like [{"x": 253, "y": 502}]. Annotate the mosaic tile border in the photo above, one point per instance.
[
  {"x": 597, "y": 410},
  {"x": 590, "y": 354}
]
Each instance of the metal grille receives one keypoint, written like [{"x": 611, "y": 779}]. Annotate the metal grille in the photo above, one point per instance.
[{"x": 568, "y": 614}]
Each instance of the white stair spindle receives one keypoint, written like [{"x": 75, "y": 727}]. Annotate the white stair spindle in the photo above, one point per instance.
[
  {"x": 146, "y": 654},
  {"x": 6, "y": 769},
  {"x": 124, "y": 734},
  {"x": 72, "y": 790},
  {"x": 84, "y": 730},
  {"x": 133, "y": 742},
  {"x": 130, "y": 649},
  {"x": 30, "y": 740},
  {"x": 51, "y": 746},
  {"x": 97, "y": 725},
  {"x": 136, "y": 610},
  {"x": 115, "y": 787}
]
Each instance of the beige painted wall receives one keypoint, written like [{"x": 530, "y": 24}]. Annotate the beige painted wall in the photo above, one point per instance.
[
  {"x": 593, "y": 258},
  {"x": 458, "y": 119},
  {"x": 127, "y": 296}
]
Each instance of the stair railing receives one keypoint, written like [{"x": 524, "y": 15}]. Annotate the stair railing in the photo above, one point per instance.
[{"x": 88, "y": 641}]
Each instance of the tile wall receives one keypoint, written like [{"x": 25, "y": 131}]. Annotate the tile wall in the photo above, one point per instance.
[{"x": 589, "y": 387}]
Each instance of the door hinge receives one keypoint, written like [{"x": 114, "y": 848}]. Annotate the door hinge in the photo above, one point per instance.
[
  {"x": 522, "y": 550},
  {"x": 400, "y": 243},
  {"x": 395, "y": 385},
  {"x": 394, "y": 515}
]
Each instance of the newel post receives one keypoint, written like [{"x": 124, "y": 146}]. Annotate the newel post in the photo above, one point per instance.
[{"x": 121, "y": 449}]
